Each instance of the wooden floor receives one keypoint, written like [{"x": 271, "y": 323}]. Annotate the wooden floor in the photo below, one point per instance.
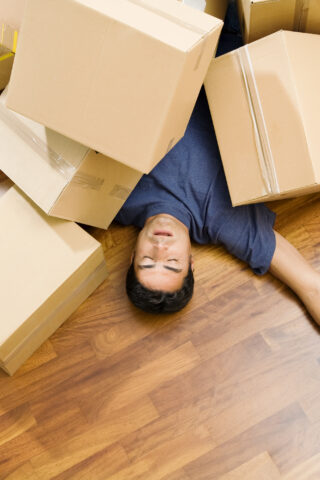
[{"x": 228, "y": 389}]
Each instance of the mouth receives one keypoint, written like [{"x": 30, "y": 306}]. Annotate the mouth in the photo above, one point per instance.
[{"x": 164, "y": 233}]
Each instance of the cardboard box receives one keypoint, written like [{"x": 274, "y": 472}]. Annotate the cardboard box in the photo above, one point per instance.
[
  {"x": 259, "y": 18},
  {"x": 11, "y": 12},
  {"x": 217, "y": 8},
  {"x": 48, "y": 268},
  {"x": 121, "y": 77},
  {"x": 64, "y": 178},
  {"x": 265, "y": 105}
]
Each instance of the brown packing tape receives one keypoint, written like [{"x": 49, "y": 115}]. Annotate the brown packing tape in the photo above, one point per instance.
[
  {"x": 168, "y": 16},
  {"x": 85, "y": 180},
  {"x": 300, "y": 15},
  {"x": 120, "y": 191},
  {"x": 261, "y": 136}
]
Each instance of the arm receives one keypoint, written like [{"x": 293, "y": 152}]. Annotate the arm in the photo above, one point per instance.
[{"x": 289, "y": 266}]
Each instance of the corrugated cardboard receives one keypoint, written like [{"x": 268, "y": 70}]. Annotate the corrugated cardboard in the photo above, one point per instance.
[
  {"x": 265, "y": 107},
  {"x": 48, "y": 268},
  {"x": 217, "y": 8},
  {"x": 63, "y": 177},
  {"x": 259, "y": 18},
  {"x": 6, "y": 62},
  {"x": 121, "y": 77}
]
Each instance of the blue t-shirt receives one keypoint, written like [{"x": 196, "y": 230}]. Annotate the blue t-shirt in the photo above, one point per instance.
[{"x": 189, "y": 183}]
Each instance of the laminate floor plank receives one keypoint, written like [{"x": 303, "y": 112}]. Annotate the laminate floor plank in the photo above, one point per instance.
[{"x": 227, "y": 389}]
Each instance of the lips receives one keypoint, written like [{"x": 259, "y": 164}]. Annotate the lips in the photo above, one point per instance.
[{"x": 164, "y": 233}]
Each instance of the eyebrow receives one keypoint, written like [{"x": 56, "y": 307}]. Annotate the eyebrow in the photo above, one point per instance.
[{"x": 176, "y": 270}]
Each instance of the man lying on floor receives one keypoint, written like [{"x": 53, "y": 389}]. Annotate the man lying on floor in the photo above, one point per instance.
[{"x": 186, "y": 196}]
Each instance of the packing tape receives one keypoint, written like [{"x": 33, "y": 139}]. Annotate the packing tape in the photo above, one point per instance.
[
  {"x": 48, "y": 154},
  {"x": 87, "y": 181},
  {"x": 300, "y": 15},
  {"x": 38, "y": 145},
  {"x": 262, "y": 142},
  {"x": 168, "y": 16}
]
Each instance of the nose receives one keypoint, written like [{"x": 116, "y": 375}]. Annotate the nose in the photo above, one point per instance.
[
  {"x": 160, "y": 247},
  {"x": 160, "y": 240}
]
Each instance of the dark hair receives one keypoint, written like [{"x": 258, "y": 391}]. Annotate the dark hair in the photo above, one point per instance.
[{"x": 158, "y": 301}]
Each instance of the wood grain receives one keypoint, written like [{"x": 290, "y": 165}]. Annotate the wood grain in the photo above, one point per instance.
[{"x": 227, "y": 389}]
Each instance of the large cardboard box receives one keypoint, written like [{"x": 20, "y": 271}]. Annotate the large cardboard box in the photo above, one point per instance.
[
  {"x": 217, "y": 8},
  {"x": 121, "y": 77},
  {"x": 265, "y": 105},
  {"x": 48, "y": 268},
  {"x": 64, "y": 178},
  {"x": 259, "y": 18}
]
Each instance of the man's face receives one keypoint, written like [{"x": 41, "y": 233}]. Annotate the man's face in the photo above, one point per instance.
[{"x": 162, "y": 253}]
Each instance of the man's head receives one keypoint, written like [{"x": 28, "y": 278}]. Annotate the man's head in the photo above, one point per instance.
[{"x": 160, "y": 278}]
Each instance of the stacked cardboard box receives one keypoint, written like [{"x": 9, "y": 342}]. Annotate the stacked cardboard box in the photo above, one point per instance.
[
  {"x": 63, "y": 177},
  {"x": 125, "y": 88},
  {"x": 259, "y": 18},
  {"x": 100, "y": 91},
  {"x": 48, "y": 268},
  {"x": 265, "y": 105}
]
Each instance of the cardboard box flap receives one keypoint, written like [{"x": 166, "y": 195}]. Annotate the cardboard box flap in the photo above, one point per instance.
[
  {"x": 113, "y": 82},
  {"x": 38, "y": 254},
  {"x": 51, "y": 157},
  {"x": 172, "y": 23},
  {"x": 268, "y": 17},
  {"x": 303, "y": 51},
  {"x": 263, "y": 17},
  {"x": 97, "y": 191}
]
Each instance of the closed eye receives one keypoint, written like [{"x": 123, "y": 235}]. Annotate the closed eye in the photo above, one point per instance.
[{"x": 172, "y": 269}]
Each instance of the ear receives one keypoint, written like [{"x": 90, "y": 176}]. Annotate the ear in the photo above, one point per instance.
[
  {"x": 132, "y": 256},
  {"x": 192, "y": 262}
]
